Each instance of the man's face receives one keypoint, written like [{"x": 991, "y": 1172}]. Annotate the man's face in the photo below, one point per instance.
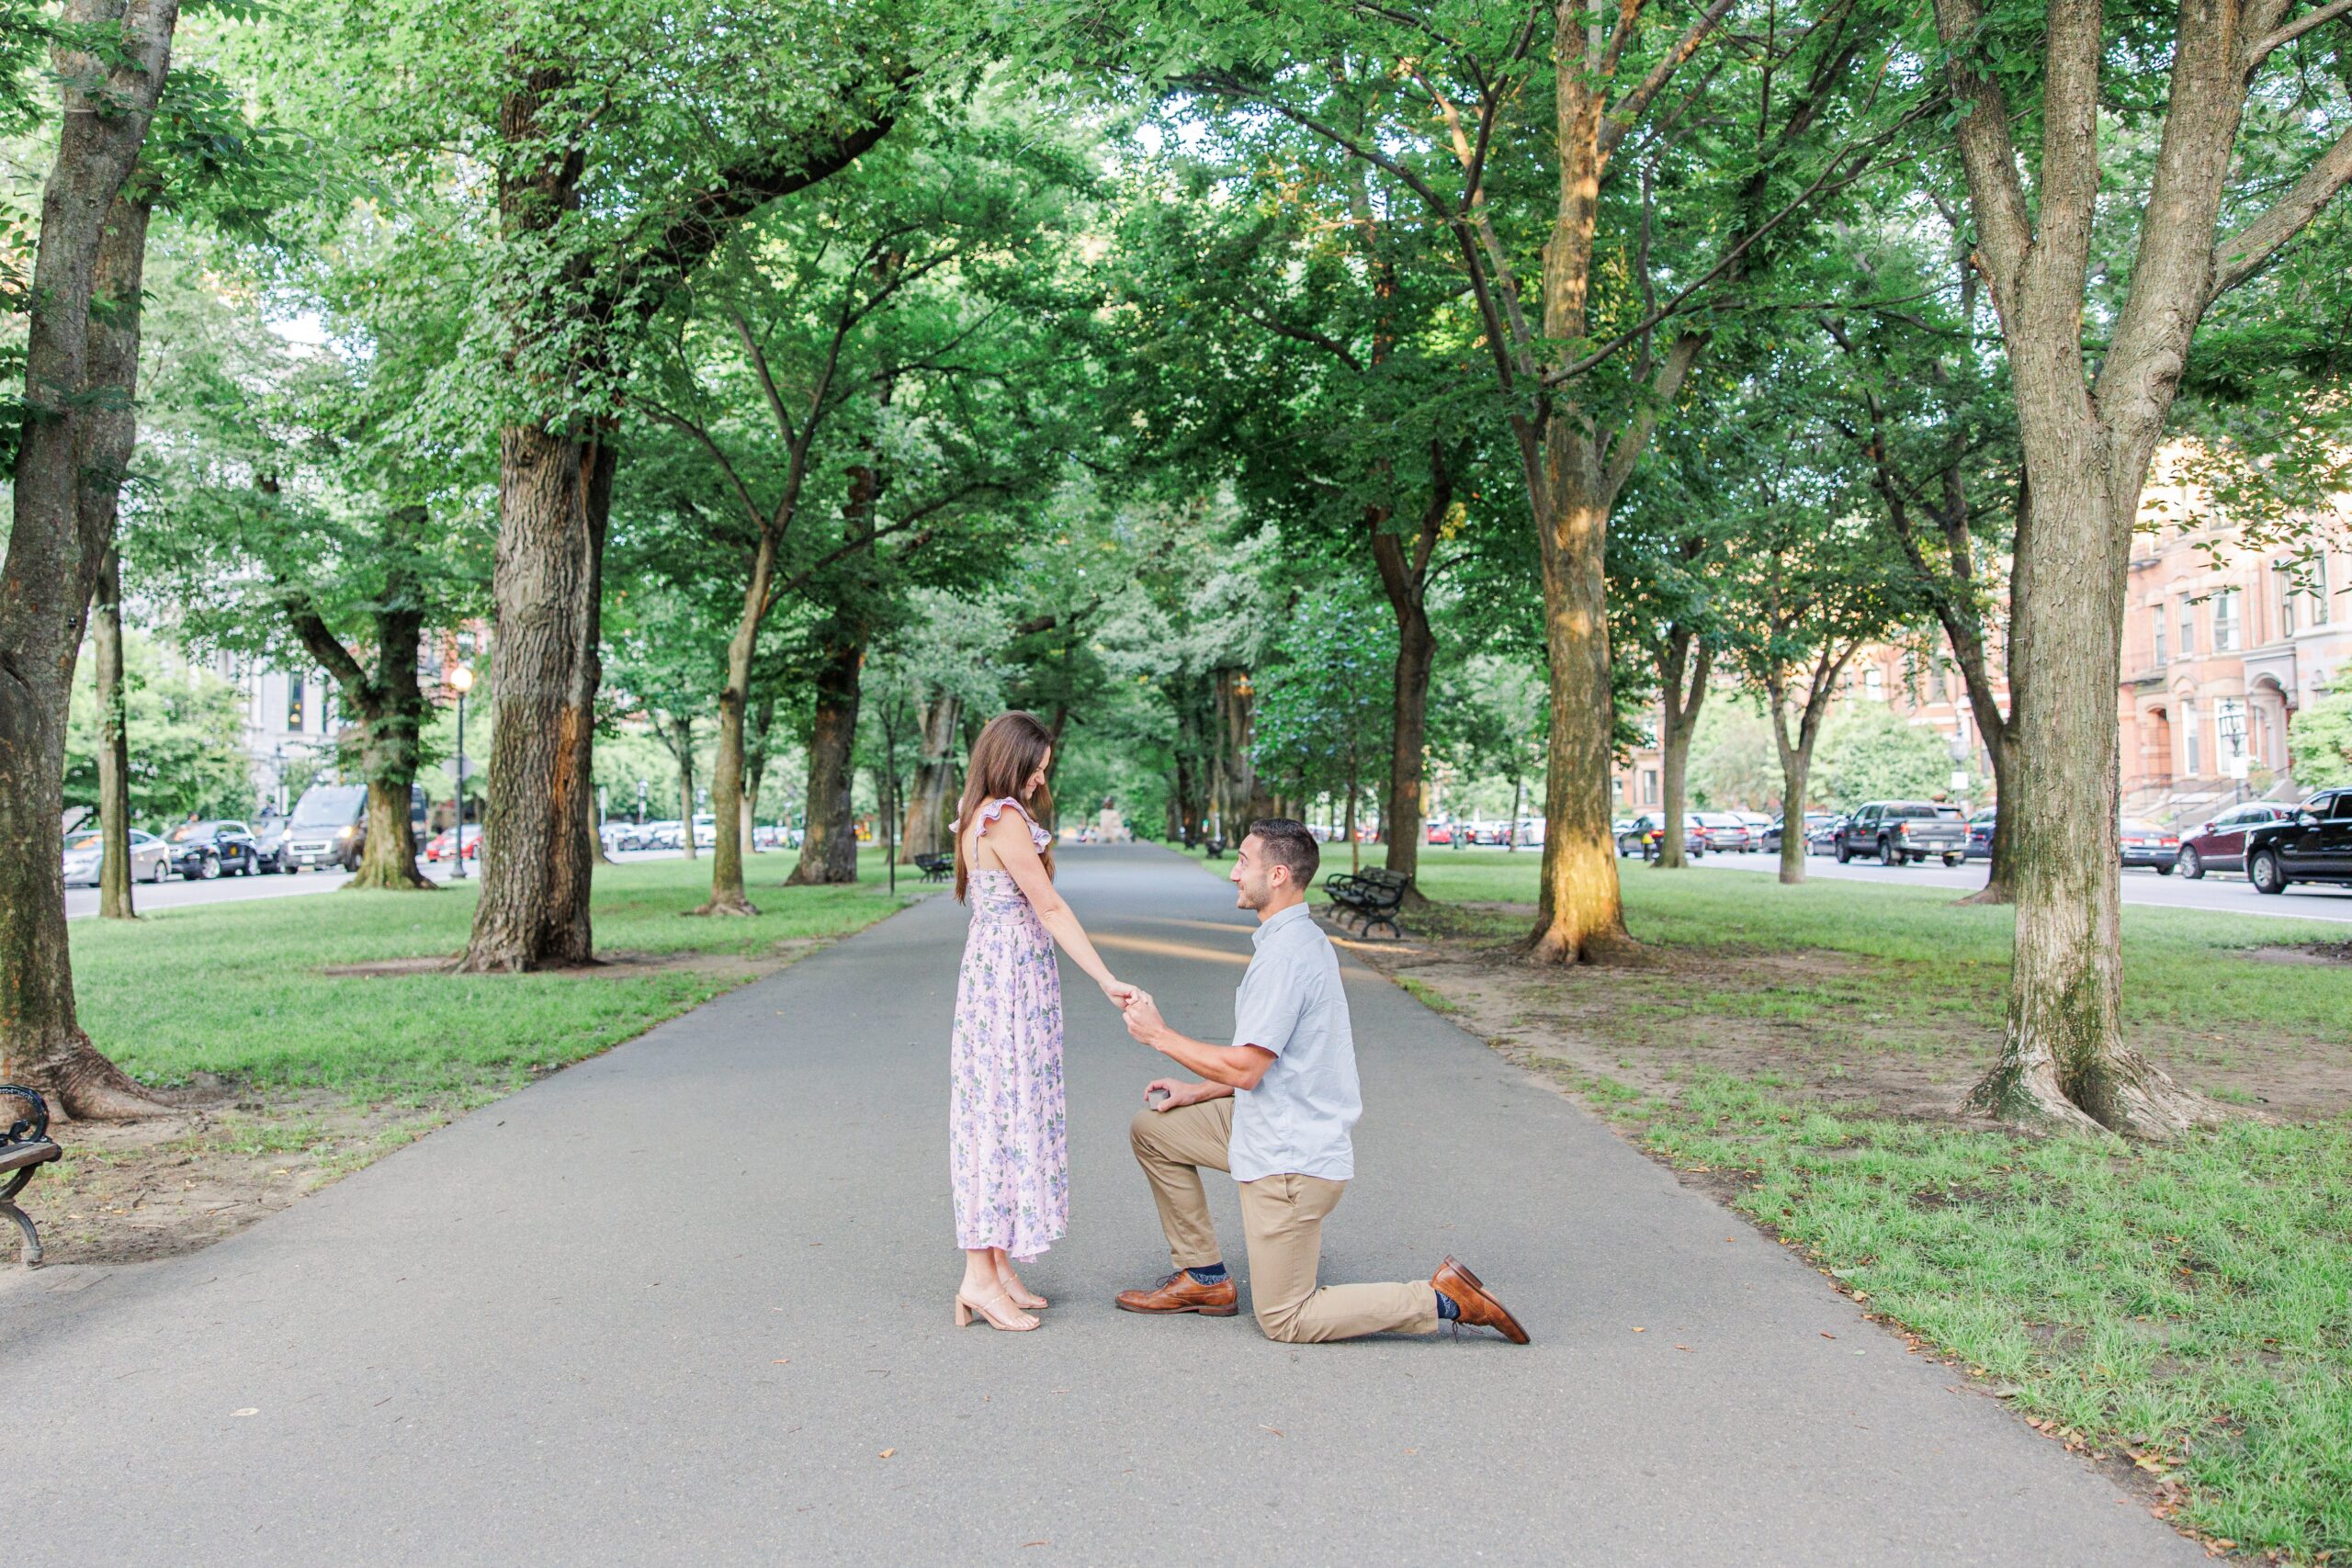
[{"x": 1253, "y": 875}]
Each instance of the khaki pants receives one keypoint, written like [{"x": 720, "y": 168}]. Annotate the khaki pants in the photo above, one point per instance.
[{"x": 1283, "y": 1217}]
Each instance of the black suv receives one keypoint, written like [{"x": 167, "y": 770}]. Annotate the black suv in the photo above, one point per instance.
[
  {"x": 207, "y": 849},
  {"x": 1903, "y": 832},
  {"x": 2313, "y": 845}
]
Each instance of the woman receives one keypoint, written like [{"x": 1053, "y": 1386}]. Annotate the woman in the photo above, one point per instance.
[{"x": 1008, "y": 1154}]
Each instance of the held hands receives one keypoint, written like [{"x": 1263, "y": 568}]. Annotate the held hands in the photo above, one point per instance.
[
  {"x": 1143, "y": 1019},
  {"x": 1122, "y": 994}
]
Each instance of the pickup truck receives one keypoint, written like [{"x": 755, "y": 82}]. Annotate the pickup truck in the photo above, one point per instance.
[{"x": 1903, "y": 832}]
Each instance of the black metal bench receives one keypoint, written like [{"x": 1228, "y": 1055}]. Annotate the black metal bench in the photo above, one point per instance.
[
  {"x": 1371, "y": 896},
  {"x": 25, "y": 1148},
  {"x": 935, "y": 867}
]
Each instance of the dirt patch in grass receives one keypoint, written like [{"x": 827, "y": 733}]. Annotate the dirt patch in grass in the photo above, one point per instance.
[
  {"x": 1902, "y": 1037},
  {"x": 130, "y": 1193},
  {"x": 2305, "y": 953}
]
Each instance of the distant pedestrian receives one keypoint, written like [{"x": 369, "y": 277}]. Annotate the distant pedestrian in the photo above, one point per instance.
[
  {"x": 1008, "y": 1147},
  {"x": 1275, "y": 1110}
]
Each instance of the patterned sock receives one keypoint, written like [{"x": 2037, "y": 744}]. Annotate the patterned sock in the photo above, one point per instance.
[
  {"x": 1447, "y": 1311},
  {"x": 1214, "y": 1274}
]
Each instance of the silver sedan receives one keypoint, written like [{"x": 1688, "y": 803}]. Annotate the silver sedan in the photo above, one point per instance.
[{"x": 151, "y": 859}]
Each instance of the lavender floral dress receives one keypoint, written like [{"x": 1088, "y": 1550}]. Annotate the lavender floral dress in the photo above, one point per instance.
[{"x": 1008, "y": 1148}]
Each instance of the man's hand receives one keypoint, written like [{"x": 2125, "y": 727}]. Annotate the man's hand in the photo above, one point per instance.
[
  {"x": 1179, "y": 1093},
  {"x": 1143, "y": 1019}
]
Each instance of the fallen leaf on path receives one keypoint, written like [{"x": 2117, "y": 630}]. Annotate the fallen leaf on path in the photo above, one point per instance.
[
  {"x": 248, "y": 1410},
  {"x": 781, "y": 1362},
  {"x": 1641, "y": 1331},
  {"x": 886, "y": 1453},
  {"x": 1026, "y": 1544},
  {"x": 1683, "y": 1347},
  {"x": 1277, "y": 1431},
  {"x": 1826, "y": 1334}
]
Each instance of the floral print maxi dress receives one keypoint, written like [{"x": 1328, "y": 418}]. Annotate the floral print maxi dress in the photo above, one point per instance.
[{"x": 1008, "y": 1147}]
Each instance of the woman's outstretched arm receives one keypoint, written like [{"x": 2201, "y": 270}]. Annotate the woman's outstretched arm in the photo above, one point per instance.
[{"x": 1009, "y": 838}]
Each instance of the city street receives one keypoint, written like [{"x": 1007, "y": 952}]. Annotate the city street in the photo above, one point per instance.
[
  {"x": 82, "y": 903},
  {"x": 2223, "y": 893}
]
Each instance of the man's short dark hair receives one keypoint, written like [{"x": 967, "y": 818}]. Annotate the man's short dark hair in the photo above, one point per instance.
[{"x": 1289, "y": 843}]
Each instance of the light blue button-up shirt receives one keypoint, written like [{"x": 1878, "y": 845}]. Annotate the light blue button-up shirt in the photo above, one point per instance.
[{"x": 1292, "y": 1003}]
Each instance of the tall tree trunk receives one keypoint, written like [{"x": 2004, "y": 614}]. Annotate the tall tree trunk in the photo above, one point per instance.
[
  {"x": 1580, "y": 913},
  {"x": 1402, "y": 811},
  {"x": 114, "y": 745},
  {"x": 1680, "y": 717},
  {"x": 682, "y": 748},
  {"x": 756, "y": 775},
  {"x": 932, "y": 801},
  {"x": 829, "y": 847},
  {"x": 537, "y": 856},
  {"x": 726, "y": 777},
  {"x": 67, "y": 481},
  {"x": 388, "y": 759}
]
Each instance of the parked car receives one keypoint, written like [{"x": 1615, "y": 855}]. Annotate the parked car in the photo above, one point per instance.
[
  {"x": 269, "y": 840},
  {"x": 706, "y": 832},
  {"x": 151, "y": 858},
  {"x": 2220, "y": 844},
  {"x": 1980, "y": 833},
  {"x": 663, "y": 835},
  {"x": 1821, "y": 838},
  {"x": 1725, "y": 831},
  {"x": 444, "y": 844},
  {"x": 1531, "y": 833},
  {"x": 1648, "y": 830},
  {"x": 208, "y": 849},
  {"x": 1437, "y": 832},
  {"x": 1903, "y": 832},
  {"x": 2313, "y": 845},
  {"x": 1757, "y": 822},
  {"x": 1807, "y": 825},
  {"x": 329, "y": 826},
  {"x": 621, "y": 835},
  {"x": 2145, "y": 844}
]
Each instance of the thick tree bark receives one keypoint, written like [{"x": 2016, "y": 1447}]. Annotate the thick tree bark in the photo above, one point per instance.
[
  {"x": 1405, "y": 578},
  {"x": 727, "y": 771},
  {"x": 1679, "y": 716},
  {"x": 1796, "y": 750},
  {"x": 114, "y": 745},
  {"x": 829, "y": 845},
  {"x": 91, "y": 248},
  {"x": 931, "y": 801},
  {"x": 538, "y": 854}
]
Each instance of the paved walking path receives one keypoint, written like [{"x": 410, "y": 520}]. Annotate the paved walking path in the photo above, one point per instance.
[{"x": 677, "y": 1304}]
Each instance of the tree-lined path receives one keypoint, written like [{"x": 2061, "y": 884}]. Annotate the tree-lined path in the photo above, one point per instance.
[{"x": 689, "y": 1302}]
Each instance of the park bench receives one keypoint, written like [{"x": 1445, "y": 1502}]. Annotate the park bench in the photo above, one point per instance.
[
  {"x": 935, "y": 867},
  {"x": 25, "y": 1148},
  {"x": 1371, "y": 896},
  {"x": 1215, "y": 849}
]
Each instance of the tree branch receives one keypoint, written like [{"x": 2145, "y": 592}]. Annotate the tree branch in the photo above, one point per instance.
[{"x": 2239, "y": 257}]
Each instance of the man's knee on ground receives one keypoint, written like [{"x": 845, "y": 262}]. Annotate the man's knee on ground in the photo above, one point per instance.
[{"x": 1279, "y": 1323}]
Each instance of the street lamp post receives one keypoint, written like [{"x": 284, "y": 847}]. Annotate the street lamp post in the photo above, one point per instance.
[{"x": 462, "y": 679}]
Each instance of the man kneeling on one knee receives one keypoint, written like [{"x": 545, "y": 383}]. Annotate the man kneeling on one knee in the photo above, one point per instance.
[{"x": 1275, "y": 1109}]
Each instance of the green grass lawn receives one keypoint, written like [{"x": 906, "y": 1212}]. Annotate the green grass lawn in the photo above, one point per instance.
[
  {"x": 239, "y": 990},
  {"x": 2186, "y": 1306}
]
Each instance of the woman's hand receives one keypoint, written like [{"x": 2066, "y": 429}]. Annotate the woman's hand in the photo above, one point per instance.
[{"x": 1123, "y": 994}]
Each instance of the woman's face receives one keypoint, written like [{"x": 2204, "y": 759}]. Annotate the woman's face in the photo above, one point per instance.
[{"x": 1036, "y": 781}]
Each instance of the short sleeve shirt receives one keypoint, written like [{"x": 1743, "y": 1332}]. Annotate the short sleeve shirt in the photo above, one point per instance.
[{"x": 1292, "y": 1002}]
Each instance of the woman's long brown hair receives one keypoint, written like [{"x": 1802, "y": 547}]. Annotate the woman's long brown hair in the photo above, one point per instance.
[{"x": 1011, "y": 747}]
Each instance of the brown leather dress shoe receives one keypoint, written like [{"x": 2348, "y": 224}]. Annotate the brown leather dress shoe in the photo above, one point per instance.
[
  {"x": 1181, "y": 1292},
  {"x": 1477, "y": 1307}
]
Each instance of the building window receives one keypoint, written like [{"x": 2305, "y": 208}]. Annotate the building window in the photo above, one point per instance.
[
  {"x": 2164, "y": 640},
  {"x": 1936, "y": 688},
  {"x": 2187, "y": 628},
  {"x": 1649, "y": 786},
  {"x": 294, "y": 705},
  {"x": 2189, "y": 752},
  {"x": 2225, "y": 621},
  {"x": 2283, "y": 574},
  {"x": 2319, "y": 616},
  {"x": 1875, "y": 684}
]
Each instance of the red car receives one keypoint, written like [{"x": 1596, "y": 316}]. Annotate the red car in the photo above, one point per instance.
[
  {"x": 2145, "y": 844},
  {"x": 2220, "y": 844},
  {"x": 1438, "y": 833},
  {"x": 441, "y": 844}
]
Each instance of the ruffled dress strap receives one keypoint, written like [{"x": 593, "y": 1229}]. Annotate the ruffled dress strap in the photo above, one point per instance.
[{"x": 1038, "y": 837}]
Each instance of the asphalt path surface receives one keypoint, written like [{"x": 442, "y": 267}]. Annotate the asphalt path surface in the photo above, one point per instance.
[
  {"x": 690, "y": 1303},
  {"x": 2220, "y": 892}
]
